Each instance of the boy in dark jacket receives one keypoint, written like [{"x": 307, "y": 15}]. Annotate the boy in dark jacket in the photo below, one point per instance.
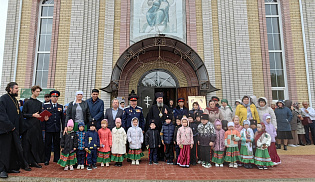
[
  {"x": 197, "y": 122},
  {"x": 167, "y": 134},
  {"x": 194, "y": 127},
  {"x": 81, "y": 145},
  {"x": 152, "y": 141},
  {"x": 177, "y": 125},
  {"x": 206, "y": 139},
  {"x": 92, "y": 144}
]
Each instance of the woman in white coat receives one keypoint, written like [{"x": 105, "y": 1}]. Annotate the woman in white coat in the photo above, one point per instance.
[{"x": 263, "y": 108}]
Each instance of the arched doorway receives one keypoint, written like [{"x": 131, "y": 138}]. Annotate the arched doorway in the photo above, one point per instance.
[
  {"x": 156, "y": 80},
  {"x": 171, "y": 57}
]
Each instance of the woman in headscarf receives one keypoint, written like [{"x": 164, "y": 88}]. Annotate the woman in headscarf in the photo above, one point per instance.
[
  {"x": 226, "y": 110},
  {"x": 284, "y": 117},
  {"x": 296, "y": 111},
  {"x": 78, "y": 110},
  {"x": 247, "y": 110},
  {"x": 213, "y": 112}
]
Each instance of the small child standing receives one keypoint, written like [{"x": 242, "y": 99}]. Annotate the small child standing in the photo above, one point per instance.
[
  {"x": 119, "y": 140},
  {"x": 68, "y": 143},
  {"x": 194, "y": 127},
  {"x": 197, "y": 122},
  {"x": 232, "y": 137},
  {"x": 81, "y": 145},
  {"x": 253, "y": 125},
  {"x": 185, "y": 141},
  {"x": 92, "y": 144},
  {"x": 271, "y": 130},
  {"x": 152, "y": 141},
  {"x": 177, "y": 126},
  {"x": 135, "y": 139},
  {"x": 247, "y": 138},
  {"x": 105, "y": 136},
  {"x": 262, "y": 140},
  {"x": 237, "y": 125},
  {"x": 167, "y": 134},
  {"x": 219, "y": 147},
  {"x": 206, "y": 138}
]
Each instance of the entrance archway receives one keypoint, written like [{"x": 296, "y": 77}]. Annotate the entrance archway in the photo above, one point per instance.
[
  {"x": 162, "y": 53},
  {"x": 157, "y": 80}
]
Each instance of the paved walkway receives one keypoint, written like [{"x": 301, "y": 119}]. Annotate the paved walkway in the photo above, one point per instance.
[{"x": 297, "y": 164}]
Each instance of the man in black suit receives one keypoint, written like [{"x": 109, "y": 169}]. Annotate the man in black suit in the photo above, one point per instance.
[{"x": 112, "y": 113}]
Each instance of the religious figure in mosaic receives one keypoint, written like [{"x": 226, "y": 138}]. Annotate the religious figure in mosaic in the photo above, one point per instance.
[{"x": 157, "y": 16}]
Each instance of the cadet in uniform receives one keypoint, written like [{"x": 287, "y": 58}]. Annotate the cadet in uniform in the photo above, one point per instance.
[
  {"x": 130, "y": 112},
  {"x": 53, "y": 126}
]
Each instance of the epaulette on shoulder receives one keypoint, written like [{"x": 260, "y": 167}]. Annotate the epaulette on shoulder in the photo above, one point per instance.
[
  {"x": 126, "y": 107},
  {"x": 139, "y": 107},
  {"x": 46, "y": 103}
]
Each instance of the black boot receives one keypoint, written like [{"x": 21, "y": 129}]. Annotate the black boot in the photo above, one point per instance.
[
  {"x": 285, "y": 147},
  {"x": 278, "y": 146},
  {"x": 3, "y": 174}
]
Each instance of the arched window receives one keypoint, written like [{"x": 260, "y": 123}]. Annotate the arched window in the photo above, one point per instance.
[
  {"x": 43, "y": 44},
  {"x": 159, "y": 79}
]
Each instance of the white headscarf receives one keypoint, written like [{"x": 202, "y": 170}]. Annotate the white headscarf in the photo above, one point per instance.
[{"x": 77, "y": 93}]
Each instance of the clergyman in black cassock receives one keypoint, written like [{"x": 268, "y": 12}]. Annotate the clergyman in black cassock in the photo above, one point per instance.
[
  {"x": 11, "y": 153},
  {"x": 32, "y": 138}
]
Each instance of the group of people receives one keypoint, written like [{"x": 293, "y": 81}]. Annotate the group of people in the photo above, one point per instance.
[{"x": 86, "y": 135}]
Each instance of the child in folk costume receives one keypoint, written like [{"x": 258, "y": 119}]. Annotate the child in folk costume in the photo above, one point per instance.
[
  {"x": 68, "y": 143},
  {"x": 177, "y": 126},
  {"x": 92, "y": 144},
  {"x": 105, "y": 136},
  {"x": 262, "y": 140},
  {"x": 232, "y": 137},
  {"x": 206, "y": 138},
  {"x": 185, "y": 141},
  {"x": 219, "y": 145},
  {"x": 81, "y": 153},
  {"x": 271, "y": 130},
  {"x": 153, "y": 142},
  {"x": 239, "y": 128},
  {"x": 167, "y": 134},
  {"x": 135, "y": 139},
  {"x": 247, "y": 138},
  {"x": 119, "y": 140}
]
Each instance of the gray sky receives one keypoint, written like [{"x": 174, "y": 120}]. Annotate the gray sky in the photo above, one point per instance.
[{"x": 3, "y": 19}]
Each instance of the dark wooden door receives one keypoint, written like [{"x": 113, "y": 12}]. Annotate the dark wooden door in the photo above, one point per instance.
[{"x": 184, "y": 92}]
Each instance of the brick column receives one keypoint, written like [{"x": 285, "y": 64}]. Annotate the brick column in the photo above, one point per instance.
[
  {"x": 288, "y": 48},
  {"x": 54, "y": 45},
  {"x": 10, "y": 44},
  {"x": 108, "y": 49},
  {"x": 208, "y": 42},
  {"x": 124, "y": 26},
  {"x": 32, "y": 44},
  {"x": 191, "y": 24},
  {"x": 236, "y": 69},
  {"x": 309, "y": 16}
]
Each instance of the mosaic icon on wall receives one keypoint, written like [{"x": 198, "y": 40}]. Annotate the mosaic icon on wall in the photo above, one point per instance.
[{"x": 152, "y": 17}]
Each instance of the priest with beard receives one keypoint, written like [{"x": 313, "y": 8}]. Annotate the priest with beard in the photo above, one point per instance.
[
  {"x": 32, "y": 138},
  {"x": 156, "y": 112},
  {"x": 11, "y": 152}
]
